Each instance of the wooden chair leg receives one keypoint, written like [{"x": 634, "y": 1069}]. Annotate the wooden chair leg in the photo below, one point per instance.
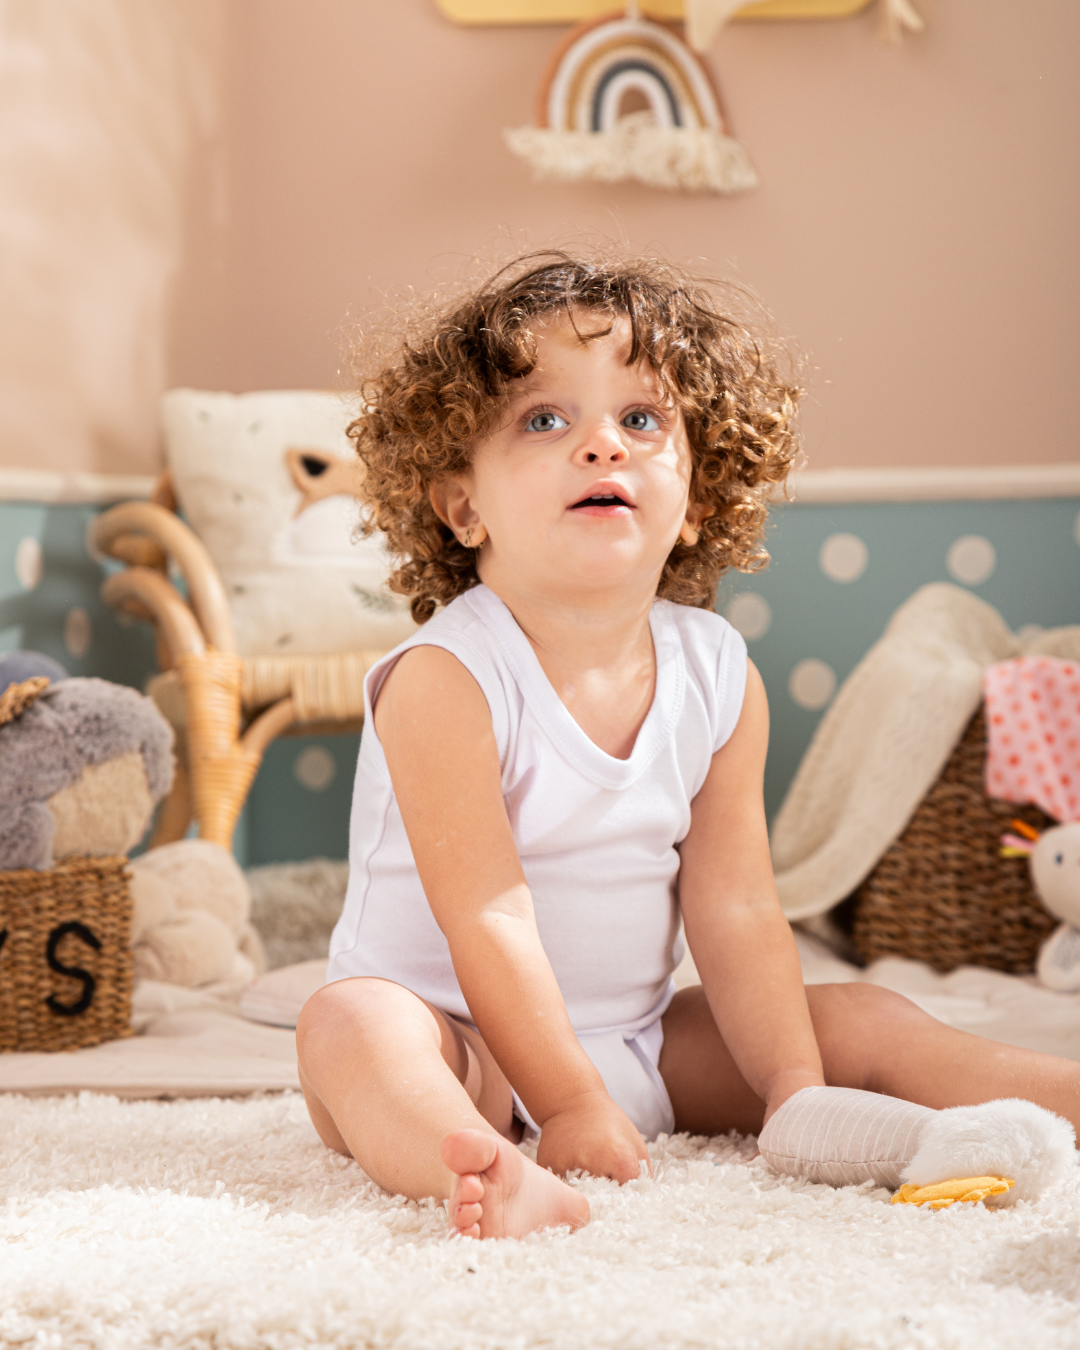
[
  {"x": 222, "y": 768},
  {"x": 174, "y": 815}
]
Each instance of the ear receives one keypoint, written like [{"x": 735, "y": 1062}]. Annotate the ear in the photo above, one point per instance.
[
  {"x": 451, "y": 503},
  {"x": 690, "y": 532}
]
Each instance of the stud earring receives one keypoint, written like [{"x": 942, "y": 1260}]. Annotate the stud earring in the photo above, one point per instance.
[
  {"x": 480, "y": 541},
  {"x": 688, "y": 534}
]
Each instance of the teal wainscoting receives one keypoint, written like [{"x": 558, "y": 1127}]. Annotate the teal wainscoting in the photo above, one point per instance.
[
  {"x": 50, "y": 596},
  {"x": 837, "y": 573},
  {"x": 1023, "y": 557}
]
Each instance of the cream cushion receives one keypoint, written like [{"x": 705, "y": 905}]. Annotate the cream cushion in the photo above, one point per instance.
[{"x": 266, "y": 481}]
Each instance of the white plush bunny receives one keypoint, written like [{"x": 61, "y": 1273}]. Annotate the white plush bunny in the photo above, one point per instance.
[{"x": 1054, "y": 859}]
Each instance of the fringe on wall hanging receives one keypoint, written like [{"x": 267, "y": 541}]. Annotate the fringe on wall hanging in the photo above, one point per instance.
[
  {"x": 673, "y": 135},
  {"x": 896, "y": 16}
]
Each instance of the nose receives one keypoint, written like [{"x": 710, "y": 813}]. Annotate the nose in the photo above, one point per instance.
[{"x": 602, "y": 445}]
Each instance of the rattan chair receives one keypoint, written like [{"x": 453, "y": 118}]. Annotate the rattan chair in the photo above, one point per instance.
[{"x": 226, "y": 709}]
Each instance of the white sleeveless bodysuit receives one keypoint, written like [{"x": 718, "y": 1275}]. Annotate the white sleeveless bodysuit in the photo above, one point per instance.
[{"x": 597, "y": 836}]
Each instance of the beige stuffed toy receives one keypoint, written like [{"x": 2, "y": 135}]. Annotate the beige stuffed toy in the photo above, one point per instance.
[
  {"x": 191, "y": 923},
  {"x": 83, "y": 764}
]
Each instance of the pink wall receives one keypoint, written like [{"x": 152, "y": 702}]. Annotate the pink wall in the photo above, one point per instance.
[{"x": 915, "y": 230}]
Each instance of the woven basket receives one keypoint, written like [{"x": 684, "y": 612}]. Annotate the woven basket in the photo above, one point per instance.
[
  {"x": 942, "y": 893},
  {"x": 65, "y": 955}
]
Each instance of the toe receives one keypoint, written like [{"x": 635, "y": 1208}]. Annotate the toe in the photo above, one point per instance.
[
  {"x": 468, "y": 1188},
  {"x": 469, "y": 1151},
  {"x": 467, "y": 1216}
]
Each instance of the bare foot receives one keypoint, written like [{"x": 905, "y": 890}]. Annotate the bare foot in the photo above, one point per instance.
[{"x": 501, "y": 1193}]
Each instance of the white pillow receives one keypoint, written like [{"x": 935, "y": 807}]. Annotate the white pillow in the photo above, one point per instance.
[{"x": 266, "y": 481}]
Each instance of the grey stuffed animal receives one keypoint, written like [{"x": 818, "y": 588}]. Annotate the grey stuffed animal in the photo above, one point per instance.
[
  {"x": 82, "y": 766},
  {"x": 83, "y": 763}
]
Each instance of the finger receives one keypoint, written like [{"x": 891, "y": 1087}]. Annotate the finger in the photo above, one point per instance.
[{"x": 627, "y": 1168}]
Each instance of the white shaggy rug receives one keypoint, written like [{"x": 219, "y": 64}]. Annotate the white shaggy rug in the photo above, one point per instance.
[{"x": 225, "y": 1223}]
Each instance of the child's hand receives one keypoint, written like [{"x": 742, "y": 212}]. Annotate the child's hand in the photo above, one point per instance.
[{"x": 591, "y": 1133}]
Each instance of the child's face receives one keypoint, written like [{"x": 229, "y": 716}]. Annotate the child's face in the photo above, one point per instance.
[{"x": 584, "y": 486}]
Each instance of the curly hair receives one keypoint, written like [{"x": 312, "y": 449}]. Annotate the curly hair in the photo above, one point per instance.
[{"x": 426, "y": 411}]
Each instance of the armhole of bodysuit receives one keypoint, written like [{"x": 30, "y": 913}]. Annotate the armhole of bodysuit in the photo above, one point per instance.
[
  {"x": 499, "y": 719},
  {"x": 730, "y": 686}
]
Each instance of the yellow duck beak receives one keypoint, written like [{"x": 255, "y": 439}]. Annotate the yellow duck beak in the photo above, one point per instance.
[{"x": 945, "y": 1193}]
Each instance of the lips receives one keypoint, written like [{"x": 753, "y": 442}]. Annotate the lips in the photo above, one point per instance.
[
  {"x": 605, "y": 498},
  {"x": 597, "y": 500}
]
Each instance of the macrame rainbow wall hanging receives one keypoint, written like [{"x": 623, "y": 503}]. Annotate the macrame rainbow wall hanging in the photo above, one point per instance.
[{"x": 678, "y": 139}]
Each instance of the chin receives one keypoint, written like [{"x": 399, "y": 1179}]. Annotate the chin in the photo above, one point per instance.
[{"x": 594, "y": 570}]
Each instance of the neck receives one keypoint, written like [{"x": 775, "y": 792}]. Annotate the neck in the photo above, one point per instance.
[
  {"x": 596, "y": 649},
  {"x": 582, "y": 631}
]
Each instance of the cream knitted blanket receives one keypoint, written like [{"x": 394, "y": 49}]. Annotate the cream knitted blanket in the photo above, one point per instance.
[{"x": 885, "y": 739}]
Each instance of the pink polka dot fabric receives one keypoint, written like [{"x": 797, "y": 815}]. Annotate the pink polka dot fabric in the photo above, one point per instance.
[{"x": 1033, "y": 733}]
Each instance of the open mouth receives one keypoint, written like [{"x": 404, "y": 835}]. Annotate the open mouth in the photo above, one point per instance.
[{"x": 601, "y": 500}]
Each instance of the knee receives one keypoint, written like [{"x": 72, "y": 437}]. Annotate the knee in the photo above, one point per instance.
[
  {"x": 857, "y": 1006},
  {"x": 345, "y": 1012},
  {"x": 856, "y": 1025}
]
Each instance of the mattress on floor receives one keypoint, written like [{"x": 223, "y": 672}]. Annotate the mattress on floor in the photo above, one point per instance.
[
  {"x": 198, "y": 1043},
  {"x": 188, "y": 1043}
]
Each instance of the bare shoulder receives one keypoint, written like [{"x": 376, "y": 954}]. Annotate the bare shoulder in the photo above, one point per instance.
[
  {"x": 733, "y": 784},
  {"x": 751, "y": 734},
  {"x": 430, "y": 691},
  {"x": 435, "y": 729}
]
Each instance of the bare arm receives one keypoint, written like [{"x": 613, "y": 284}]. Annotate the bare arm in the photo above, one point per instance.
[
  {"x": 741, "y": 943},
  {"x": 435, "y": 729}
]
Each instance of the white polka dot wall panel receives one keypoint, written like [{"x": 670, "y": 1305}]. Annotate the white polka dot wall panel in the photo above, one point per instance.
[
  {"x": 812, "y": 684},
  {"x": 29, "y": 562},
  {"x": 840, "y": 572},
  {"x": 843, "y": 557},
  {"x": 751, "y": 614},
  {"x": 971, "y": 559},
  {"x": 314, "y": 768}
]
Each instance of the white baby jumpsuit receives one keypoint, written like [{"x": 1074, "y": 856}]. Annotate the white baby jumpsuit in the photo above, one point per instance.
[{"x": 597, "y": 836}]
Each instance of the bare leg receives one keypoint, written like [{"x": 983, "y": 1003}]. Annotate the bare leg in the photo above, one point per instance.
[
  {"x": 870, "y": 1038},
  {"x": 417, "y": 1099}
]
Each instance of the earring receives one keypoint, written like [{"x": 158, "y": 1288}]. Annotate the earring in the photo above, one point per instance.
[
  {"x": 481, "y": 531},
  {"x": 688, "y": 534}
]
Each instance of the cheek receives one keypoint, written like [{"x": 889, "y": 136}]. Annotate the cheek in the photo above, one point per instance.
[
  {"x": 677, "y": 469},
  {"x": 515, "y": 487}
]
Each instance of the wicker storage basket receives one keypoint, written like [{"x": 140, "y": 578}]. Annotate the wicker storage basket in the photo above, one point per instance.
[
  {"x": 942, "y": 893},
  {"x": 65, "y": 955}
]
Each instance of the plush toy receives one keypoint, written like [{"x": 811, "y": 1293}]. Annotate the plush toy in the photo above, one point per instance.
[
  {"x": 18, "y": 666},
  {"x": 1054, "y": 860},
  {"x": 83, "y": 763},
  {"x": 997, "y": 1152},
  {"x": 191, "y": 922}
]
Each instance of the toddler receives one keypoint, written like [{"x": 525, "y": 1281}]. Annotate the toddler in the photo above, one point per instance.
[{"x": 562, "y": 770}]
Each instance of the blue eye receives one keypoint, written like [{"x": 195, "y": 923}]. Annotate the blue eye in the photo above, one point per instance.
[
  {"x": 640, "y": 421},
  {"x": 546, "y": 421}
]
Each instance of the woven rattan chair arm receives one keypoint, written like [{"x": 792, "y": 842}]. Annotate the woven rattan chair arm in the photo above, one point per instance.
[
  {"x": 164, "y": 494},
  {"x": 268, "y": 725},
  {"x": 112, "y": 532},
  {"x": 142, "y": 590},
  {"x": 138, "y": 551}
]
